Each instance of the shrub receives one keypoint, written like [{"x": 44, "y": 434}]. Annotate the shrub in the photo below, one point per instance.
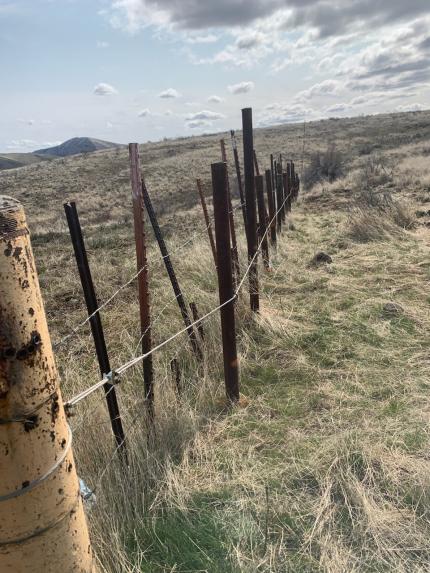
[{"x": 327, "y": 166}]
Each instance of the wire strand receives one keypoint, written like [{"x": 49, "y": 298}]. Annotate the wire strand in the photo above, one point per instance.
[{"x": 111, "y": 377}]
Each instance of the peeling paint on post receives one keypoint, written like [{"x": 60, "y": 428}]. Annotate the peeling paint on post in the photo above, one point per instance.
[{"x": 42, "y": 520}]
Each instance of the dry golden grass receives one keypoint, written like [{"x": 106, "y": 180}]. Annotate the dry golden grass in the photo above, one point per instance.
[{"x": 325, "y": 466}]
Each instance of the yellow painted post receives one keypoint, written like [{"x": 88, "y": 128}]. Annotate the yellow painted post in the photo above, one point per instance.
[{"x": 42, "y": 521}]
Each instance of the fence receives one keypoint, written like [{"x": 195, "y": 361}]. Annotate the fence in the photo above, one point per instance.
[{"x": 265, "y": 201}]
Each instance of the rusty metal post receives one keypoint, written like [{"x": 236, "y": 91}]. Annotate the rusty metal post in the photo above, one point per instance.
[
  {"x": 271, "y": 203},
  {"x": 234, "y": 251},
  {"x": 171, "y": 273},
  {"x": 42, "y": 520},
  {"x": 293, "y": 174},
  {"x": 251, "y": 211},
  {"x": 142, "y": 269},
  {"x": 225, "y": 280},
  {"x": 279, "y": 200},
  {"x": 95, "y": 323},
  {"x": 196, "y": 319},
  {"x": 262, "y": 219},
  {"x": 239, "y": 177},
  {"x": 287, "y": 195},
  {"x": 257, "y": 170},
  {"x": 207, "y": 218},
  {"x": 272, "y": 172}
]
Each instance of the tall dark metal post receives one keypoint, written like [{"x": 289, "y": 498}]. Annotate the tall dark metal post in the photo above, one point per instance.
[
  {"x": 293, "y": 174},
  {"x": 251, "y": 211},
  {"x": 235, "y": 252},
  {"x": 238, "y": 176},
  {"x": 262, "y": 219},
  {"x": 271, "y": 203},
  {"x": 287, "y": 196},
  {"x": 279, "y": 200},
  {"x": 170, "y": 271},
  {"x": 290, "y": 188},
  {"x": 207, "y": 219},
  {"x": 272, "y": 172},
  {"x": 142, "y": 269},
  {"x": 257, "y": 170},
  {"x": 95, "y": 323},
  {"x": 225, "y": 280}
]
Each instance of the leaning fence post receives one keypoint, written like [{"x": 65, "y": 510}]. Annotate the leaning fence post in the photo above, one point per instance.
[
  {"x": 257, "y": 169},
  {"x": 142, "y": 269},
  {"x": 95, "y": 322},
  {"x": 239, "y": 176},
  {"x": 171, "y": 273},
  {"x": 262, "y": 219},
  {"x": 225, "y": 280},
  {"x": 207, "y": 219},
  {"x": 235, "y": 252},
  {"x": 42, "y": 520},
  {"x": 271, "y": 203},
  {"x": 251, "y": 211}
]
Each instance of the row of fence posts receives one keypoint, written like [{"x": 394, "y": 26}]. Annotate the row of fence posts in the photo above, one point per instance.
[{"x": 41, "y": 514}]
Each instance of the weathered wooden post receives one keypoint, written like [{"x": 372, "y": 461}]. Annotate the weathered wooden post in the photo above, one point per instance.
[
  {"x": 207, "y": 218},
  {"x": 225, "y": 280},
  {"x": 42, "y": 520}
]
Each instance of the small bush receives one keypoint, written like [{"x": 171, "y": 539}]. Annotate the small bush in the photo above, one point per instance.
[{"x": 327, "y": 166}]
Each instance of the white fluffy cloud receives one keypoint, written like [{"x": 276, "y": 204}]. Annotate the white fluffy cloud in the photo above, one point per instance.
[
  {"x": 170, "y": 93},
  {"x": 144, "y": 113},
  {"x": 205, "y": 115},
  {"x": 215, "y": 99},
  {"x": 241, "y": 88},
  {"x": 411, "y": 107},
  {"x": 103, "y": 89}
]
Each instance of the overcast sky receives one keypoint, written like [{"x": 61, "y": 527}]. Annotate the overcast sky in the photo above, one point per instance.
[{"x": 139, "y": 70}]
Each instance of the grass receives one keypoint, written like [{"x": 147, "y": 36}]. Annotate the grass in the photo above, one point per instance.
[{"x": 323, "y": 467}]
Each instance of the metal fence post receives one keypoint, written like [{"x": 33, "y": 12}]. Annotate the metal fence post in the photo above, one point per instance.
[
  {"x": 171, "y": 273},
  {"x": 207, "y": 219},
  {"x": 95, "y": 322},
  {"x": 257, "y": 170},
  {"x": 238, "y": 176},
  {"x": 279, "y": 200},
  {"x": 225, "y": 280},
  {"x": 235, "y": 252},
  {"x": 142, "y": 269},
  {"x": 262, "y": 219},
  {"x": 271, "y": 203},
  {"x": 42, "y": 520},
  {"x": 251, "y": 211}
]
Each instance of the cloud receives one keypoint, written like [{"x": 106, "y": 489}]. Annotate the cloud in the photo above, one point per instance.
[
  {"x": 198, "y": 123},
  {"x": 327, "y": 87},
  {"x": 205, "y": 115},
  {"x": 102, "y": 45},
  {"x": 215, "y": 99},
  {"x": 103, "y": 89},
  {"x": 411, "y": 107},
  {"x": 144, "y": 113},
  {"x": 333, "y": 18},
  {"x": 241, "y": 88},
  {"x": 249, "y": 41},
  {"x": 338, "y": 108},
  {"x": 169, "y": 93},
  {"x": 279, "y": 113},
  {"x": 203, "y": 39}
]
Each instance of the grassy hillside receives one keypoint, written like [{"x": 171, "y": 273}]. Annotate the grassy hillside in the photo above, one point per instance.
[{"x": 324, "y": 466}]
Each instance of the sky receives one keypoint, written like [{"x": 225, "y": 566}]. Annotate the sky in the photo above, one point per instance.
[{"x": 141, "y": 70}]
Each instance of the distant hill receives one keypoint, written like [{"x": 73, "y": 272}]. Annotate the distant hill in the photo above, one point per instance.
[
  {"x": 77, "y": 145},
  {"x": 14, "y": 160}
]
